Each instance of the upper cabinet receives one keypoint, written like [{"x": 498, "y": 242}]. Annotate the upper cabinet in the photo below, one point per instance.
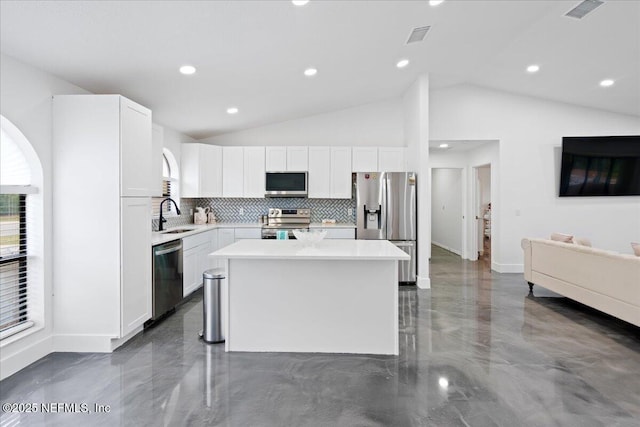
[
  {"x": 280, "y": 159},
  {"x": 365, "y": 159},
  {"x": 391, "y": 159},
  {"x": 319, "y": 185},
  {"x": 201, "y": 170},
  {"x": 157, "y": 142},
  {"x": 233, "y": 172},
  {"x": 135, "y": 149},
  {"x": 297, "y": 159},
  {"x": 254, "y": 172},
  {"x": 276, "y": 159},
  {"x": 341, "y": 172}
]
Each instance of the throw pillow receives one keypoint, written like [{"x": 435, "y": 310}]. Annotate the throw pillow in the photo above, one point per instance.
[
  {"x": 582, "y": 241},
  {"x": 636, "y": 248},
  {"x": 560, "y": 237}
]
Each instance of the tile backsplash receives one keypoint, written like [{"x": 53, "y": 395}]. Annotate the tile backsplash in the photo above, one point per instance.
[{"x": 228, "y": 209}]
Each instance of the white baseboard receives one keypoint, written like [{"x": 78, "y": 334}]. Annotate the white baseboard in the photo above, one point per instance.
[
  {"x": 82, "y": 343},
  {"x": 118, "y": 342},
  {"x": 507, "y": 268},
  {"x": 423, "y": 283},
  {"x": 447, "y": 248},
  {"x": 13, "y": 363}
]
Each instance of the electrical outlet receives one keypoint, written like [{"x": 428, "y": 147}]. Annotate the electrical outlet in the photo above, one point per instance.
[
  {"x": 241, "y": 211},
  {"x": 350, "y": 211}
]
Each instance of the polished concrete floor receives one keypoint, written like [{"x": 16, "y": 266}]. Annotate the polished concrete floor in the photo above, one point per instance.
[{"x": 475, "y": 350}]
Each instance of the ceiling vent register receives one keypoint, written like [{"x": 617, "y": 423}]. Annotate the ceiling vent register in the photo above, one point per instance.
[
  {"x": 584, "y": 8},
  {"x": 418, "y": 34}
]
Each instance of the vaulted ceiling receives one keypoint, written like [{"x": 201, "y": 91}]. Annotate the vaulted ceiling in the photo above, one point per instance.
[{"x": 252, "y": 54}]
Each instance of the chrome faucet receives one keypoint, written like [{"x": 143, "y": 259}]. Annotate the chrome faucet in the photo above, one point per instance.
[{"x": 162, "y": 218}]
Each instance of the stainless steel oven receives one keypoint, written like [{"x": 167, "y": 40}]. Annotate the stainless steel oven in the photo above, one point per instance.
[
  {"x": 285, "y": 219},
  {"x": 167, "y": 277}
]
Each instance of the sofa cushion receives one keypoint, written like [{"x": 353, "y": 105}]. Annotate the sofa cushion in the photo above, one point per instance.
[
  {"x": 582, "y": 241},
  {"x": 561, "y": 237}
]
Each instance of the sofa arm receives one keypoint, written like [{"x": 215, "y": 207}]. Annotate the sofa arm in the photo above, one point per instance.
[{"x": 526, "y": 246}]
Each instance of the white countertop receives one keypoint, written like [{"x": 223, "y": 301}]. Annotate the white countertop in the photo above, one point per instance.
[
  {"x": 339, "y": 249},
  {"x": 336, "y": 225},
  {"x": 158, "y": 238}
]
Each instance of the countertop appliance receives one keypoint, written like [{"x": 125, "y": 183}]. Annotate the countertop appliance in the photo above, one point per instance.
[
  {"x": 286, "y": 184},
  {"x": 386, "y": 210},
  {"x": 285, "y": 219},
  {"x": 167, "y": 277}
]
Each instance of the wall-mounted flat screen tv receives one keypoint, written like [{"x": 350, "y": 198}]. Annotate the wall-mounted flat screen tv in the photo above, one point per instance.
[{"x": 600, "y": 166}]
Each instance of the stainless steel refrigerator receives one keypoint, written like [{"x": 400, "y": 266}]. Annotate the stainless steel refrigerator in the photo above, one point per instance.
[{"x": 386, "y": 210}]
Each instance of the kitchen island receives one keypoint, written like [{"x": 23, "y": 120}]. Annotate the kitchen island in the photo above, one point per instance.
[{"x": 338, "y": 296}]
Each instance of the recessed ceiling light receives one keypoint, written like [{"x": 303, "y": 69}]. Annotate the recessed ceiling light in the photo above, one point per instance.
[
  {"x": 435, "y": 2},
  {"x": 299, "y": 2},
  {"x": 443, "y": 382},
  {"x": 187, "y": 69},
  {"x": 232, "y": 110},
  {"x": 607, "y": 83},
  {"x": 533, "y": 68},
  {"x": 402, "y": 63},
  {"x": 310, "y": 72},
  {"x": 443, "y": 145}
]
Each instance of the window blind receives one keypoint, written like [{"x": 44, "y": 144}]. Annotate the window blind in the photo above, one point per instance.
[
  {"x": 155, "y": 201},
  {"x": 13, "y": 261}
]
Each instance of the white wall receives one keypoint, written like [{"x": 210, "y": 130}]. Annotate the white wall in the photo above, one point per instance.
[
  {"x": 416, "y": 130},
  {"x": 529, "y": 131},
  {"x": 25, "y": 100},
  {"x": 376, "y": 124},
  {"x": 446, "y": 209}
]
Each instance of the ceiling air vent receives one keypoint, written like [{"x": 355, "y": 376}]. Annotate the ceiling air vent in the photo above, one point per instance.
[
  {"x": 584, "y": 8},
  {"x": 418, "y": 34}
]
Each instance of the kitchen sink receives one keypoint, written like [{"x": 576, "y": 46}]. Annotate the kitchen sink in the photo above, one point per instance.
[{"x": 177, "y": 230}]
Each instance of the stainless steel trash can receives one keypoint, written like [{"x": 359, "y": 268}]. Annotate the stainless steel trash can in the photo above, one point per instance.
[{"x": 212, "y": 326}]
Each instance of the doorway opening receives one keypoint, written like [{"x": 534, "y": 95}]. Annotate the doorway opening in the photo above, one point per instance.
[{"x": 482, "y": 197}]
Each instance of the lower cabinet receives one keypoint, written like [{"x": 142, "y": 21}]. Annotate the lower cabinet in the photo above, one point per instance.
[
  {"x": 196, "y": 250},
  {"x": 339, "y": 233}
]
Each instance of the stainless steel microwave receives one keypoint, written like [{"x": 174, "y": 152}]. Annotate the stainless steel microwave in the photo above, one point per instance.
[{"x": 286, "y": 184}]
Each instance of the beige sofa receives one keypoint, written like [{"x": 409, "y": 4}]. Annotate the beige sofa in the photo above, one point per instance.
[{"x": 606, "y": 281}]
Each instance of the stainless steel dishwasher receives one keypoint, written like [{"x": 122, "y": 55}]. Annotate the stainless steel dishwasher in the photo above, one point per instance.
[{"x": 167, "y": 277}]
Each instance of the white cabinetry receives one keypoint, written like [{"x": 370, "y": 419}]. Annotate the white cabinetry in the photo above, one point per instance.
[
  {"x": 254, "y": 172},
  {"x": 135, "y": 149},
  {"x": 102, "y": 157},
  {"x": 338, "y": 233},
  {"x": 276, "y": 159},
  {"x": 195, "y": 258},
  {"x": 330, "y": 172},
  {"x": 232, "y": 171},
  {"x": 201, "y": 170},
  {"x": 341, "y": 172},
  {"x": 391, "y": 159},
  {"x": 279, "y": 159},
  {"x": 247, "y": 233},
  {"x": 157, "y": 142},
  {"x": 226, "y": 236},
  {"x": 319, "y": 173},
  {"x": 365, "y": 159},
  {"x": 297, "y": 159}
]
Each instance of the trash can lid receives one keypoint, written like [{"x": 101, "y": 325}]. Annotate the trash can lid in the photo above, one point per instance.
[{"x": 214, "y": 273}]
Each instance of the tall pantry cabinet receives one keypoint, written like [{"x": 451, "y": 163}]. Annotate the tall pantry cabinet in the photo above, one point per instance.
[{"x": 102, "y": 183}]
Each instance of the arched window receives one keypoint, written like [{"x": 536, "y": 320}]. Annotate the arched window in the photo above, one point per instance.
[
  {"x": 21, "y": 283},
  {"x": 170, "y": 184}
]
